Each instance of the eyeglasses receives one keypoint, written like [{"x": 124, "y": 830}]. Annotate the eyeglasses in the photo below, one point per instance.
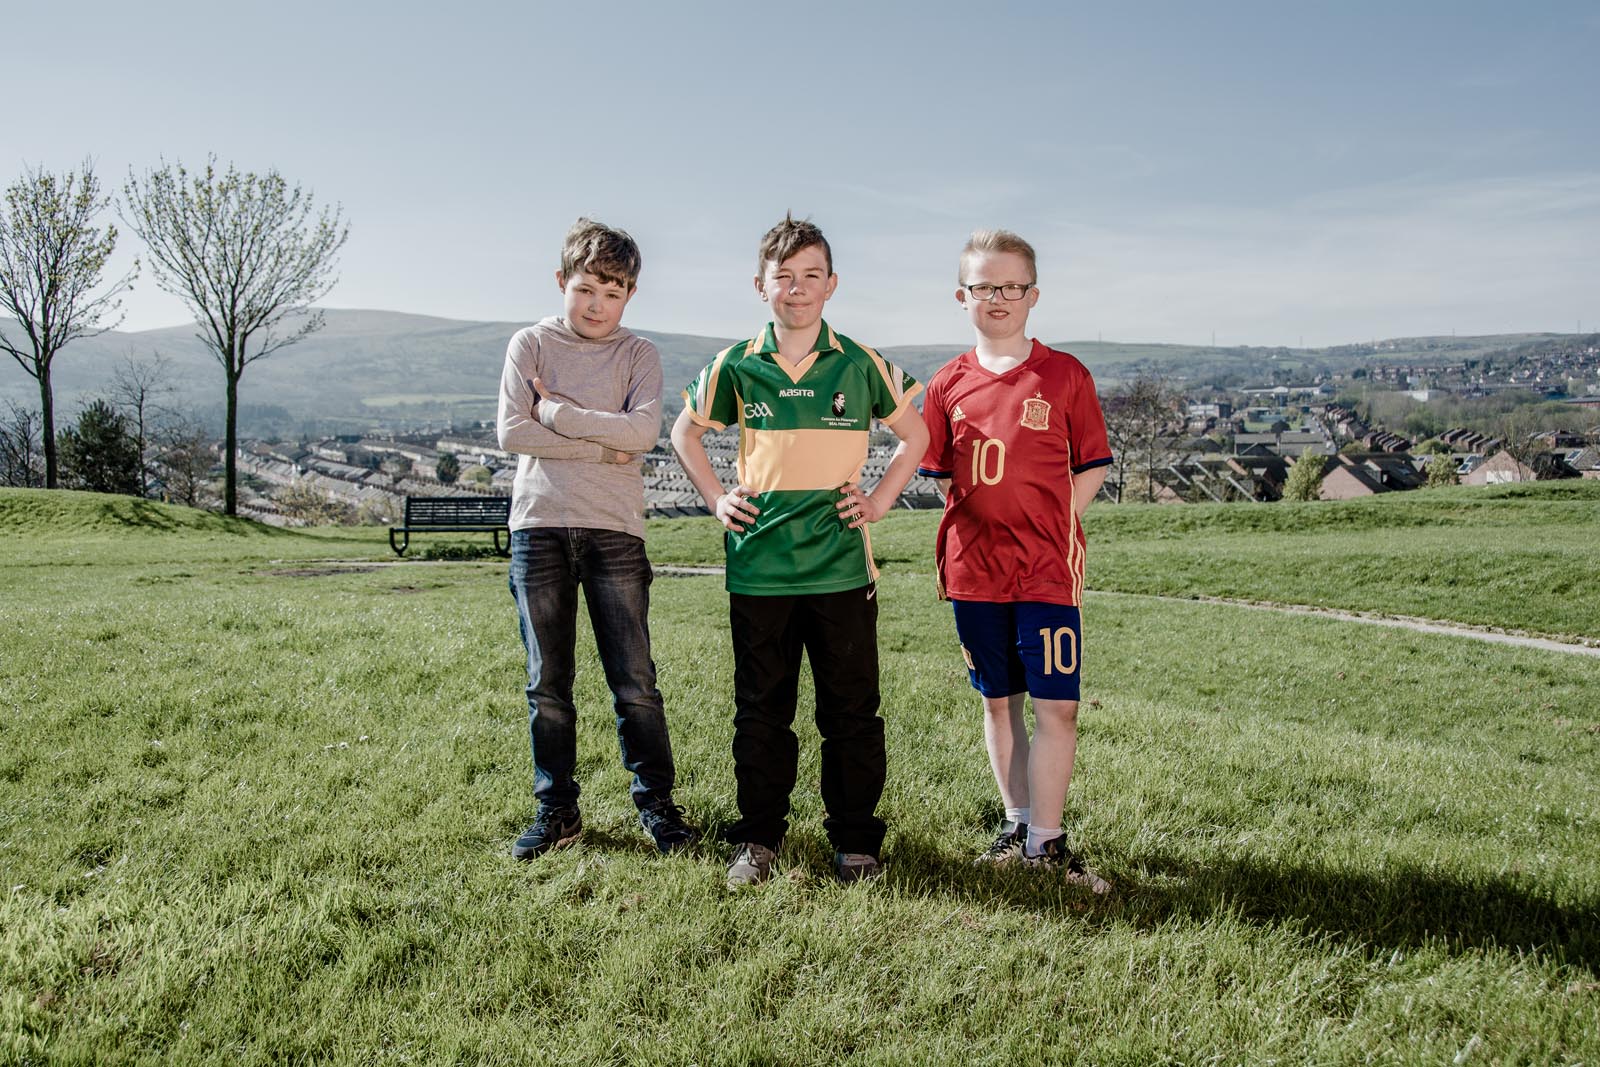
[{"x": 1014, "y": 291}]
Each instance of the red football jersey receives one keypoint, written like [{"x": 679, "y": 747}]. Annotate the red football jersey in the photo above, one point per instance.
[{"x": 1010, "y": 443}]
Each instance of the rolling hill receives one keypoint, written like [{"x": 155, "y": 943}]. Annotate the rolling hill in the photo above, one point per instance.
[{"x": 367, "y": 368}]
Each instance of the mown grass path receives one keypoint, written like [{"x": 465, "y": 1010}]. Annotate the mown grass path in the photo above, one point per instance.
[{"x": 256, "y": 808}]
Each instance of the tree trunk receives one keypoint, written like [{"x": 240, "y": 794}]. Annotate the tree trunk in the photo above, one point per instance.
[
  {"x": 230, "y": 491},
  {"x": 144, "y": 481},
  {"x": 47, "y": 418}
]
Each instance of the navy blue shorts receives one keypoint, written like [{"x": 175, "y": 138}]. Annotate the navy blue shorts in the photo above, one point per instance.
[{"x": 1020, "y": 647}]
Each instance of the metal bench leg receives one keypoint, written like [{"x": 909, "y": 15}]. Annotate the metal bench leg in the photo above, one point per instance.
[
  {"x": 506, "y": 551},
  {"x": 399, "y": 549}
]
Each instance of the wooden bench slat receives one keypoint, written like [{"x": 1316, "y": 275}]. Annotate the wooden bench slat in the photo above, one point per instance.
[{"x": 453, "y": 514}]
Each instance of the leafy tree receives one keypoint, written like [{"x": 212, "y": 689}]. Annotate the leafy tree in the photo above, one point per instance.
[
  {"x": 1424, "y": 421},
  {"x": 99, "y": 453},
  {"x": 448, "y": 469},
  {"x": 51, "y": 257},
  {"x": 303, "y": 501},
  {"x": 21, "y": 456},
  {"x": 1305, "y": 477},
  {"x": 248, "y": 255},
  {"x": 1441, "y": 470},
  {"x": 379, "y": 511}
]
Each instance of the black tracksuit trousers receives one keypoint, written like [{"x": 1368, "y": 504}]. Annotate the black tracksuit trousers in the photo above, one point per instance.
[{"x": 839, "y": 633}]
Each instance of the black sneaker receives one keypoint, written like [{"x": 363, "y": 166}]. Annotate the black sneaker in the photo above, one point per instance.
[
  {"x": 856, "y": 866},
  {"x": 1056, "y": 855},
  {"x": 1007, "y": 846},
  {"x": 663, "y": 821},
  {"x": 552, "y": 828}
]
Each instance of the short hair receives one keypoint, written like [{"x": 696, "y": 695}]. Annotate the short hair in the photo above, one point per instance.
[
  {"x": 595, "y": 248},
  {"x": 983, "y": 241},
  {"x": 788, "y": 237}
]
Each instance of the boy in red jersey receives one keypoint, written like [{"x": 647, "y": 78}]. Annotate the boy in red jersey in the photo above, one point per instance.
[{"x": 1018, "y": 442}]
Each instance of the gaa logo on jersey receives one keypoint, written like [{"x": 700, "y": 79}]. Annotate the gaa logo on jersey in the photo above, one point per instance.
[
  {"x": 1036, "y": 413},
  {"x": 757, "y": 411}
]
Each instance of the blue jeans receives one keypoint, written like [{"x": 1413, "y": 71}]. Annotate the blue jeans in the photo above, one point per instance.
[{"x": 547, "y": 567}]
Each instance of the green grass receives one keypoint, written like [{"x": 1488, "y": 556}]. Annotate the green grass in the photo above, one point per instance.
[
  {"x": 1516, "y": 556},
  {"x": 1521, "y": 556},
  {"x": 255, "y": 807}
]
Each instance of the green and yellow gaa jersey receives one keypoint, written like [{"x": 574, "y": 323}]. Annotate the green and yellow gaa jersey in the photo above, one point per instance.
[{"x": 802, "y": 435}]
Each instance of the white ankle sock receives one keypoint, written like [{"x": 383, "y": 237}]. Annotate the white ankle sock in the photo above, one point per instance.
[
  {"x": 1017, "y": 815},
  {"x": 1037, "y": 838}
]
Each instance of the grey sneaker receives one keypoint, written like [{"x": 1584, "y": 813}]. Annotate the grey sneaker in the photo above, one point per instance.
[
  {"x": 552, "y": 828},
  {"x": 1007, "y": 846},
  {"x": 664, "y": 823},
  {"x": 856, "y": 866},
  {"x": 751, "y": 865},
  {"x": 1056, "y": 855}
]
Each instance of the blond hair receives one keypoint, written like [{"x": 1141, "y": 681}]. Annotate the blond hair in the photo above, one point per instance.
[
  {"x": 985, "y": 241},
  {"x": 595, "y": 248}
]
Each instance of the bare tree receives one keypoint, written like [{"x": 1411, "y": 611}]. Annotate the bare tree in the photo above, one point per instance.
[
  {"x": 51, "y": 257},
  {"x": 1142, "y": 423},
  {"x": 20, "y": 451},
  {"x": 248, "y": 255},
  {"x": 185, "y": 460},
  {"x": 1516, "y": 429},
  {"x": 137, "y": 388}
]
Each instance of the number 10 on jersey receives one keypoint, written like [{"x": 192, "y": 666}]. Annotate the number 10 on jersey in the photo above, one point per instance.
[{"x": 988, "y": 461}]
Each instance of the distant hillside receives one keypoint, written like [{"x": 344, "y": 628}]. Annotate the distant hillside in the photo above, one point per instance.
[
  {"x": 363, "y": 369},
  {"x": 377, "y": 368}
]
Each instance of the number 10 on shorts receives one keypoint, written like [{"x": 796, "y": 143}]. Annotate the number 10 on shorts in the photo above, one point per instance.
[{"x": 1060, "y": 649}]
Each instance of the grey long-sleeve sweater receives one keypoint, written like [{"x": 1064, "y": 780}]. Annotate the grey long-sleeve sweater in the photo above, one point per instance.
[{"x": 598, "y": 394}]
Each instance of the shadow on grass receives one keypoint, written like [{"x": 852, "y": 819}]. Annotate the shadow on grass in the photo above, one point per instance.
[
  {"x": 1397, "y": 908},
  {"x": 628, "y": 838},
  {"x": 136, "y": 512}
]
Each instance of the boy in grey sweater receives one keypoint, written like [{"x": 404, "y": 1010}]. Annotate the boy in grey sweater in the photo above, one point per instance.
[{"x": 580, "y": 400}]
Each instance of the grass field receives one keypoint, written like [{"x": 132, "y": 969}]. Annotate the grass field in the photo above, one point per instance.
[
  {"x": 1521, "y": 556},
  {"x": 257, "y": 807}
]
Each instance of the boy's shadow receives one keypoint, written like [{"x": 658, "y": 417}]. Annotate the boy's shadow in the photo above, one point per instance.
[{"x": 1396, "y": 908}]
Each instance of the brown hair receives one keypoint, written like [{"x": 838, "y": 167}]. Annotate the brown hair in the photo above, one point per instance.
[
  {"x": 983, "y": 241},
  {"x": 788, "y": 237},
  {"x": 595, "y": 248}
]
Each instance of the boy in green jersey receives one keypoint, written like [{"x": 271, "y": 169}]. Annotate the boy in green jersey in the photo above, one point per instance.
[{"x": 800, "y": 575}]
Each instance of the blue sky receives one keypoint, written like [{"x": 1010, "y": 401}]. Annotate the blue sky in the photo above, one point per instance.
[{"x": 1268, "y": 173}]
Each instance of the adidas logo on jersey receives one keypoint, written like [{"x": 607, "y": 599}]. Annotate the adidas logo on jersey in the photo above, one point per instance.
[
  {"x": 956, "y": 414},
  {"x": 757, "y": 411}
]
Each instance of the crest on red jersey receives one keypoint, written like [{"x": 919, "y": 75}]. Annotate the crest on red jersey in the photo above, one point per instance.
[{"x": 1036, "y": 413}]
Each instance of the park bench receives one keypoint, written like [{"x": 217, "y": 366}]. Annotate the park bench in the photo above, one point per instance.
[{"x": 455, "y": 514}]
